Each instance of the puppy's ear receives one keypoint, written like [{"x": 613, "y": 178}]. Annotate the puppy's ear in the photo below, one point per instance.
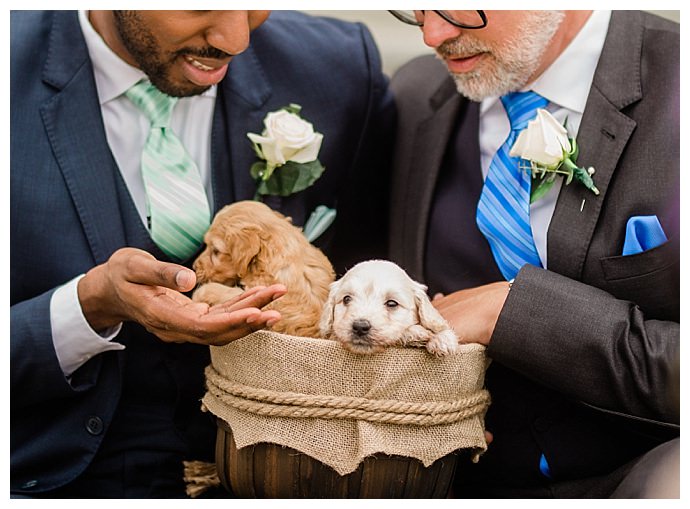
[
  {"x": 429, "y": 317},
  {"x": 243, "y": 246},
  {"x": 326, "y": 322}
]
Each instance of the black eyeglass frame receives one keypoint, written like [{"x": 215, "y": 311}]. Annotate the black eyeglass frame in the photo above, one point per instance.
[{"x": 446, "y": 17}]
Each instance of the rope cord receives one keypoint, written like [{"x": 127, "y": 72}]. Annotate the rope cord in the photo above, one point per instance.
[{"x": 291, "y": 404}]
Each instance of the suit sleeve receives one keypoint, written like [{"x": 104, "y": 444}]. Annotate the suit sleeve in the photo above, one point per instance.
[
  {"x": 35, "y": 372},
  {"x": 589, "y": 345}
]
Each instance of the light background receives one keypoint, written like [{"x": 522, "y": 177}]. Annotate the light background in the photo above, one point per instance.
[{"x": 399, "y": 42}]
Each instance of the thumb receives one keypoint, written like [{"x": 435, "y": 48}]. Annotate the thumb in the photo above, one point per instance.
[
  {"x": 140, "y": 267},
  {"x": 185, "y": 280}
]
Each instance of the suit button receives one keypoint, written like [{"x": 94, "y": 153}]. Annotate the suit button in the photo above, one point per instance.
[
  {"x": 29, "y": 484},
  {"x": 94, "y": 425}
]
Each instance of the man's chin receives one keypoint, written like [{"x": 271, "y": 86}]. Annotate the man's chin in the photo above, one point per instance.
[
  {"x": 179, "y": 89},
  {"x": 470, "y": 90},
  {"x": 475, "y": 87}
]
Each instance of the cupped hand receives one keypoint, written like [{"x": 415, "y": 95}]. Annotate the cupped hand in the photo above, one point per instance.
[{"x": 133, "y": 286}]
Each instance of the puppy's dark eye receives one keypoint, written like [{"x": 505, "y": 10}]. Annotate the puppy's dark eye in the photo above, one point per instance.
[
  {"x": 347, "y": 299},
  {"x": 391, "y": 304}
]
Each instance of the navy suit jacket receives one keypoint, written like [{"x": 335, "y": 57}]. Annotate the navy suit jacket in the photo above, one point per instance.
[
  {"x": 67, "y": 216},
  {"x": 582, "y": 351}
]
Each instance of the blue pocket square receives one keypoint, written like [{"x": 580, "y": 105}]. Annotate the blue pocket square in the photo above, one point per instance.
[
  {"x": 318, "y": 222},
  {"x": 642, "y": 233}
]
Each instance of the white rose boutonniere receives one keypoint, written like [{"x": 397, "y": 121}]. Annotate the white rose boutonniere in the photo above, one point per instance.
[
  {"x": 545, "y": 145},
  {"x": 288, "y": 148}
]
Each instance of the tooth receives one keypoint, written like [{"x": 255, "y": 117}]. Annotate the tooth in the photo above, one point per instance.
[
  {"x": 202, "y": 66},
  {"x": 198, "y": 64}
]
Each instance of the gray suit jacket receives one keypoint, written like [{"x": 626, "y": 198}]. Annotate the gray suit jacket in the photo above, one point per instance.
[{"x": 600, "y": 328}]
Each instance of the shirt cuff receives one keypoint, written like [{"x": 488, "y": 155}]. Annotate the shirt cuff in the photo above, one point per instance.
[{"x": 74, "y": 340}]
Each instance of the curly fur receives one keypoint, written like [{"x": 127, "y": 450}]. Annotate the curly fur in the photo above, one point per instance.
[
  {"x": 376, "y": 305},
  {"x": 249, "y": 244}
]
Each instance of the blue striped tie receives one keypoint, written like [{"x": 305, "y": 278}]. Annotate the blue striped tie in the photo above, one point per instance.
[
  {"x": 503, "y": 209},
  {"x": 178, "y": 209}
]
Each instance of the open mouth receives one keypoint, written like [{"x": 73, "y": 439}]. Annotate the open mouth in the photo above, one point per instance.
[
  {"x": 198, "y": 64},
  {"x": 204, "y": 71}
]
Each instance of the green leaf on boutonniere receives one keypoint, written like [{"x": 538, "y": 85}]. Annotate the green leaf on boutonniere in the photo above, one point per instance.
[
  {"x": 292, "y": 108},
  {"x": 541, "y": 186},
  {"x": 287, "y": 179},
  {"x": 567, "y": 167}
]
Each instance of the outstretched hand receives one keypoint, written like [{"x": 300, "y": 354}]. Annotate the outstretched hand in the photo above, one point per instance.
[{"x": 133, "y": 286}]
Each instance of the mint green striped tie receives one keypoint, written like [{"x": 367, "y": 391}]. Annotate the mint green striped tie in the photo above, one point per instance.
[{"x": 178, "y": 209}]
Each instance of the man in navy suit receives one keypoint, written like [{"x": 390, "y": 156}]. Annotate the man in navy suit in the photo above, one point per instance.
[
  {"x": 107, "y": 351},
  {"x": 584, "y": 338}
]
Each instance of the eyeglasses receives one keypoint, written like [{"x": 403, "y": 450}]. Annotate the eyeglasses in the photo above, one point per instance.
[{"x": 461, "y": 19}]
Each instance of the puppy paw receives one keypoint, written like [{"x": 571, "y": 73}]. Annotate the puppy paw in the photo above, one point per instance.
[
  {"x": 214, "y": 293},
  {"x": 443, "y": 343}
]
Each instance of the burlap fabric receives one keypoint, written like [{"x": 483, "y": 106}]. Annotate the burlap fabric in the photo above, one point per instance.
[{"x": 337, "y": 407}]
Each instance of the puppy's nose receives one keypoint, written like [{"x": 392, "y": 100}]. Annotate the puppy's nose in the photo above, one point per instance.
[{"x": 361, "y": 327}]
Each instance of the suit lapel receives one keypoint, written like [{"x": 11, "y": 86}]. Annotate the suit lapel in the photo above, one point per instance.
[
  {"x": 430, "y": 143},
  {"x": 245, "y": 92},
  {"x": 73, "y": 121},
  {"x": 604, "y": 132},
  {"x": 75, "y": 129}
]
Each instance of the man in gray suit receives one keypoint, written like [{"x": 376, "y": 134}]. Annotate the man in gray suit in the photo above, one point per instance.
[{"x": 584, "y": 334}]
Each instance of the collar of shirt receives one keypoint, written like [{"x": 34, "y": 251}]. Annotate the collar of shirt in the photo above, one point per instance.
[{"x": 578, "y": 60}]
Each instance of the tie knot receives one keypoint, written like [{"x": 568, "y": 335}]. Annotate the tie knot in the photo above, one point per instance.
[
  {"x": 156, "y": 105},
  {"x": 522, "y": 107}
]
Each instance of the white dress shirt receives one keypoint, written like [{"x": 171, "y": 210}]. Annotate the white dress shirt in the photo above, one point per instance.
[
  {"x": 566, "y": 85},
  {"x": 126, "y": 129}
]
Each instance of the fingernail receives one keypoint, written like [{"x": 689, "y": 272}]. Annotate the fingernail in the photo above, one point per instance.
[
  {"x": 251, "y": 319},
  {"x": 184, "y": 279}
]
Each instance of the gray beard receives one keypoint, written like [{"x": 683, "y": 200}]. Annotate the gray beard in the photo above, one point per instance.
[{"x": 513, "y": 64}]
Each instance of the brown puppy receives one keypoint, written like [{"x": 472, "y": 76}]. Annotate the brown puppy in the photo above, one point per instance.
[{"x": 249, "y": 244}]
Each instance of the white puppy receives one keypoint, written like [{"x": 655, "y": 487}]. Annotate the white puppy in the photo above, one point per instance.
[{"x": 376, "y": 304}]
